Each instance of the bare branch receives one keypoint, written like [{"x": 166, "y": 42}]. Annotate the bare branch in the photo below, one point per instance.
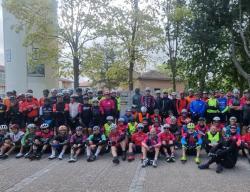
[{"x": 244, "y": 43}]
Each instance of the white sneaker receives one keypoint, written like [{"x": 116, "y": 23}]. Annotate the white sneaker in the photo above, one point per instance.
[
  {"x": 52, "y": 156},
  {"x": 60, "y": 157},
  {"x": 19, "y": 155}
]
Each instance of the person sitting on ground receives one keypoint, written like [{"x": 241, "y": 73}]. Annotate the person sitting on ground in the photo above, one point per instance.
[
  {"x": 41, "y": 142},
  {"x": 60, "y": 142},
  {"x": 135, "y": 142},
  {"x": 151, "y": 147},
  {"x": 225, "y": 154},
  {"x": 95, "y": 144},
  {"x": 191, "y": 143},
  {"x": 27, "y": 141},
  {"x": 212, "y": 138},
  {"x": 118, "y": 143},
  {"x": 12, "y": 141},
  {"x": 168, "y": 142},
  {"x": 77, "y": 143}
]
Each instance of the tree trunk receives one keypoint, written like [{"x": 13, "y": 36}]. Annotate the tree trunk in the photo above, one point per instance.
[
  {"x": 173, "y": 69},
  {"x": 76, "y": 64},
  {"x": 130, "y": 75},
  {"x": 238, "y": 66}
]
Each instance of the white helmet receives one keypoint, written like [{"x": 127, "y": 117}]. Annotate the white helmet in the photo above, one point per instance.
[
  {"x": 143, "y": 109},
  {"x": 4, "y": 127}
]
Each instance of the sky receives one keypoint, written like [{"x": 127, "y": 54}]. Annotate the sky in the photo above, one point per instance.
[
  {"x": 117, "y": 2},
  {"x": 1, "y": 37}
]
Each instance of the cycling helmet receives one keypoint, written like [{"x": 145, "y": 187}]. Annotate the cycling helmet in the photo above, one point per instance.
[
  {"x": 73, "y": 96},
  {"x": 96, "y": 128},
  {"x": 31, "y": 126},
  {"x": 216, "y": 119},
  {"x": 3, "y": 127},
  {"x": 121, "y": 120},
  {"x": 190, "y": 126},
  {"x": 166, "y": 126},
  {"x": 110, "y": 118},
  {"x": 184, "y": 111},
  {"x": 62, "y": 128},
  {"x": 128, "y": 110},
  {"x": 143, "y": 109},
  {"x": 90, "y": 91},
  {"x": 79, "y": 128},
  {"x": 113, "y": 126},
  {"x": 233, "y": 118},
  {"x": 44, "y": 126},
  {"x": 140, "y": 126},
  {"x": 59, "y": 94},
  {"x": 65, "y": 91}
]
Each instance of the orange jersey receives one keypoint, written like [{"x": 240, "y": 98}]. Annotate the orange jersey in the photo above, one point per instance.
[{"x": 30, "y": 108}]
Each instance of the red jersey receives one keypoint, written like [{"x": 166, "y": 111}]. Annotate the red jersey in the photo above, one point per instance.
[
  {"x": 30, "y": 107},
  {"x": 166, "y": 137},
  {"x": 114, "y": 136},
  {"x": 155, "y": 117},
  {"x": 183, "y": 104},
  {"x": 107, "y": 106},
  {"x": 138, "y": 137},
  {"x": 246, "y": 138},
  {"x": 183, "y": 121},
  {"x": 122, "y": 128},
  {"x": 44, "y": 135},
  {"x": 201, "y": 129}
]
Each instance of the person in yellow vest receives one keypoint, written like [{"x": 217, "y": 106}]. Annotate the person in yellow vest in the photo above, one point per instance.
[
  {"x": 212, "y": 138},
  {"x": 132, "y": 127},
  {"x": 107, "y": 126},
  {"x": 212, "y": 107}
]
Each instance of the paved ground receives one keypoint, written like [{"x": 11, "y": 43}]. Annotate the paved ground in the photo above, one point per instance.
[{"x": 60, "y": 176}]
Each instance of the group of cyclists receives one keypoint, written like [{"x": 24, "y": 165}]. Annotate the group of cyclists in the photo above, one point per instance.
[{"x": 85, "y": 121}]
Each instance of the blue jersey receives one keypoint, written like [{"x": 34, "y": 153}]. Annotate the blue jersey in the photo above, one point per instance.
[{"x": 222, "y": 102}]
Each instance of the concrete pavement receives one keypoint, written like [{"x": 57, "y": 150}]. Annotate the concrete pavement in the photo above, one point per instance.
[{"x": 59, "y": 176}]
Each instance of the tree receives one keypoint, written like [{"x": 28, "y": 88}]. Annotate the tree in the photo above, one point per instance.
[
  {"x": 205, "y": 41},
  {"x": 103, "y": 65},
  {"x": 136, "y": 31},
  {"x": 240, "y": 29},
  {"x": 38, "y": 19},
  {"x": 79, "y": 22},
  {"x": 173, "y": 16}
]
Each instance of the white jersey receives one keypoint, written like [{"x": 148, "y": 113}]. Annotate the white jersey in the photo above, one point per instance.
[
  {"x": 74, "y": 109},
  {"x": 16, "y": 137}
]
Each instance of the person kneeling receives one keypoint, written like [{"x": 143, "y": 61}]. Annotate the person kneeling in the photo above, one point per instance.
[
  {"x": 135, "y": 143},
  {"x": 151, "y": 145},
  {"x": 95, "y": 144},
  {"x": 167, "y": 139}
]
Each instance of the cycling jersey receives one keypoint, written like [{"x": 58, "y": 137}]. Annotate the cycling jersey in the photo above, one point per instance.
[{"x": 138, "y": 137}]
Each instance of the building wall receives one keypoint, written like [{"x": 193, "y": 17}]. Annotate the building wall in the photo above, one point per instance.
[
  {"x": 158, "y": 84},
  {"x": 17, "y": 77}
]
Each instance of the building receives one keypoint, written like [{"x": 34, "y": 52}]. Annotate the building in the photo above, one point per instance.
[
  {"x": 65, "y": 83},
  {"x": 19, "y": 75},
  {"x": 2, "y": 80},
  {"x": 157, "y": 80}
]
